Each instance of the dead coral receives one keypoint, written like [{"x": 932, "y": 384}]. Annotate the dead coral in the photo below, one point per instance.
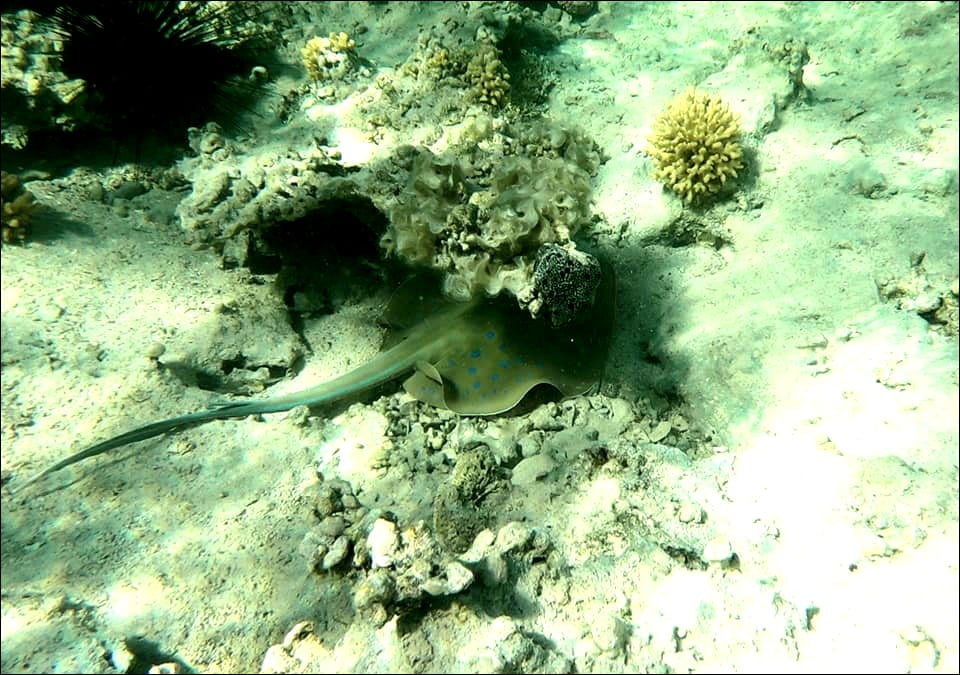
[
  {"x": 920, "y": 292},
  {"x": 16, "y": 209},
  {"x": 696, "y": 145}
]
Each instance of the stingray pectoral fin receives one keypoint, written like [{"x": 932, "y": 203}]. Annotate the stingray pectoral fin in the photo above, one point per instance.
[
  {"x": 426, "y": 385},
  {"x": 430, "y": 371}
]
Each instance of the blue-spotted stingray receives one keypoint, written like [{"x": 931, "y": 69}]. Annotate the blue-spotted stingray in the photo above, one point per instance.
[{"x": 475, "y": 358}]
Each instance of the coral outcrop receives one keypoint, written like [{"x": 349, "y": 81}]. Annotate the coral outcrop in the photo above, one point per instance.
[{"x": 696, "y": 146}]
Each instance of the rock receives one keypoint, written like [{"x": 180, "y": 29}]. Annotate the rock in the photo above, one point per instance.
[
  {"x": 383, "y": 542},
  {"x": 338, "y": 551},
  {"x": 718, "y": 550},
  {"x": 455, "y": 578},
  {"x": 332, "y": 526},
  {"x": 512, "y": 536},
  {"x": 659, "y": 432},
  {"x": 531, "y": 469}
]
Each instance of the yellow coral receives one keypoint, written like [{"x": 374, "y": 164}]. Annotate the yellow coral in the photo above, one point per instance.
[
  {"x": 696, "y": 144},
  {"x": 440, "y": 62},
  {"x": 341, "y": 42},
  {"x": 16, "y": 206},
  {"x": 327, "y": 57},
  {"x": 489, "y": 77}
]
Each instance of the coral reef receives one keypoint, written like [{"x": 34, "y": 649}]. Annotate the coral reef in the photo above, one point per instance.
[
  {"x": 37, "y": 94},
  {"x": 16, "y": 208},
  {"x": 696, "y": 145},
  {"x": 487, "y": 238},
  {"x": 467, "y": 192}
]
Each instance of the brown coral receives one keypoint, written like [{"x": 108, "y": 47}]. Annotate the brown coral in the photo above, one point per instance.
[{"x": 696, "y": 144}]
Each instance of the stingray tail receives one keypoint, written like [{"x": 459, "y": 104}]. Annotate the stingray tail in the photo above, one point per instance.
[{"x": 221, "y": 411}]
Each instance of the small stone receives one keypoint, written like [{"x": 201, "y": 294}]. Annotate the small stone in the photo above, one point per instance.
[
  {"x": 718, "y": 550},
  {"x": 435, "y": 439},
  {"x": 382, "y": 543},
  {"x": 122, "y": 659},
  {"x": 659, "y": 432},
  {"x": 338, "y": 551},
  {"x": 96, "y": 193},
  {"x": 529, "y": 445},
  {"x": 297, "y": 634},
  {"x": 332, "y": 526},
  {"x": 478, "y": 549},
  {"x": 513, "y": 536},
  {"x": 531, "y": 469},
  {"x": 377, "y": 588},
  {"x": 456, "y": 578},
  {"x": 154, "y": 350},
  {"x": 326, "y": 506},
  {"x": 690, "y": 513},
  {"x": 925, "y": 302},
  {"x": 128, "y": 190}
]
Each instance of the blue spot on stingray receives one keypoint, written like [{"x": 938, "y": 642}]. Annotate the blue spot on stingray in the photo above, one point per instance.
[
  {"x": 475, "y": 354},
  {"x": 504, "y": 364},
  {"x": 522, "y": 360},
  {"x": 495, "y": 377},
  {"x": 472, "y": 370},
  {"x": 490, "y": 334},
  {"x": 451, "y": 362},
  {"x": 476, "y": 384}
]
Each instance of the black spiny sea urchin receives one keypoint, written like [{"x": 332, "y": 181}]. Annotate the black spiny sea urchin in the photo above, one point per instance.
[{"x": 155, "y": 68}]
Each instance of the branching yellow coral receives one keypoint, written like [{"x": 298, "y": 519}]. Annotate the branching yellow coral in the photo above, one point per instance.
[
  {"x": 328, "y": 57},
  {"x": 696, "y": 145},
  {"x": 488, "y": 76},
  {"x": 16, "y": 206}
]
